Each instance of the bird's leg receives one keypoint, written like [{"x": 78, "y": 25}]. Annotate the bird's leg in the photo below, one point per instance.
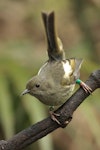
[
  {"x": 86, "y": 88},
  {"x": 54, "y": 115}
]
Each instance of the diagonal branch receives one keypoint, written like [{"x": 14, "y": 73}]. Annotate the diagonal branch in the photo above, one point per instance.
[{"x": 44, "y": 127}]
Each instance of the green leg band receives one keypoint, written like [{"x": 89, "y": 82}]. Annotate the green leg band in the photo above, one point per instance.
[{"x": 78, "y": 81}]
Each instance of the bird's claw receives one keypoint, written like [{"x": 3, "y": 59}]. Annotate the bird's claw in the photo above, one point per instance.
[
  {"x": 86, "y": 88},
  {"x": 53, "y": 117}
]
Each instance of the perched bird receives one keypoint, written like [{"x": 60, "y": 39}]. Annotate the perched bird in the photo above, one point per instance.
[{"x": 56, "y": 79}]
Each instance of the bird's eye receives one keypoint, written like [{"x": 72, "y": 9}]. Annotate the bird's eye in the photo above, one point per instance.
[{"x": 37, "y": 85}]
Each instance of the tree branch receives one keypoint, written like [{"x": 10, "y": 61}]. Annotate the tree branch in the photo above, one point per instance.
[{"x": 44, "y": 127}]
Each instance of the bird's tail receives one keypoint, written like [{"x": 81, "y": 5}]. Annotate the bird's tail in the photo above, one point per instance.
[{"x": 55, "y": 47}]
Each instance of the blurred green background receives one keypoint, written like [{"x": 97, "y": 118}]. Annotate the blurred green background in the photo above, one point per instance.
[{"x": 23, "y": 51}]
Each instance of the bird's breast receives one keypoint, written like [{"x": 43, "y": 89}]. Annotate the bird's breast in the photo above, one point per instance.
[{"x": 57, "y": 96}]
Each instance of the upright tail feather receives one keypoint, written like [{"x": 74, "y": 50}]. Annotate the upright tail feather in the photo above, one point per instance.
[{"x": 55, "y": 47}]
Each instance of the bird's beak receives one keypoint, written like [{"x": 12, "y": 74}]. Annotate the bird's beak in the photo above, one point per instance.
[{"x": 25, "y": 92}]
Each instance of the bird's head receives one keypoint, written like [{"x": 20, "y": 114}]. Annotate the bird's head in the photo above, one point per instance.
[{"x": 37, "y": 87}]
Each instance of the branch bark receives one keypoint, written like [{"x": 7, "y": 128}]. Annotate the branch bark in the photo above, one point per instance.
[{"x": 44, "y": 127}]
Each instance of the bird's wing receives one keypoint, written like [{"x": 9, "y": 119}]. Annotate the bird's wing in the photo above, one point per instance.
[{"x": 76, "y": 65}]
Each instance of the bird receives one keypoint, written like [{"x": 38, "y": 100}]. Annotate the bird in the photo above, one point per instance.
[{"x": 55, "y": 81}]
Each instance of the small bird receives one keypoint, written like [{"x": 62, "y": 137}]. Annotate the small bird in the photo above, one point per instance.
[{"x": 56, "y": 79}]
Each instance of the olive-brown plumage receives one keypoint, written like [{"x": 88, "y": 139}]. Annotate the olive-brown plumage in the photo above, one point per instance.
[{"x": 56, "y": 79}]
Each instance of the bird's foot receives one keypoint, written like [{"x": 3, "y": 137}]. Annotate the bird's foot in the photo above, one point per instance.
[
  {"x": 85, "y": 87},
  {"x": 54, "y": 117}
]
